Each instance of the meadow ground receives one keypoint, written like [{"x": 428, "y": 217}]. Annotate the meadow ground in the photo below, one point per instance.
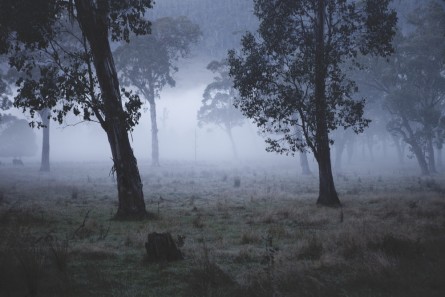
[{"x": 249, "y": 231}]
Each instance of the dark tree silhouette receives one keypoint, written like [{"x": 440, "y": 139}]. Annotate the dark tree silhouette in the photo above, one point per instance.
[
  {"x": 45, "y": 160},
  {"x": 292, "y": 73},
  {"x": 48, "y": 29}
]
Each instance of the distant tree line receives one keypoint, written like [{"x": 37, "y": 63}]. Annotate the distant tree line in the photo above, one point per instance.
[{"x": 409, "y": 86}]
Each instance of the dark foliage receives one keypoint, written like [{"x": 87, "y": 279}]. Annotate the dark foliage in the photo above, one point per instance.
[{"x": 292, "y": 79}]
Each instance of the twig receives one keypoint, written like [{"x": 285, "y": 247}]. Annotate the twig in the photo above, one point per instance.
[
  {"x": 103, "y": 234},
  {"x": 82, "y": 225}
]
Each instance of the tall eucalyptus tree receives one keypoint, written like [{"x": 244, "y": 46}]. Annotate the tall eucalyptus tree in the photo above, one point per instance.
[
  {"x": 83, "y": 81},
  {"x": 292, "y": 73}
]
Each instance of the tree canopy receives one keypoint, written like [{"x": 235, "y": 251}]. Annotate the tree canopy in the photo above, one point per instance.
[
  {"x": 56, "y": 65},
  {"x": 218, "y": 99},
  {"x": 218, "y": 102},
  {"x": 62, "y": 52},
  {"x": 292, "y": 74},
  {"x": 149, "y": 62}
]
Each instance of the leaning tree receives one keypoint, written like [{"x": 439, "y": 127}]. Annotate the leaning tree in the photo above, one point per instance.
[
  {"x": 85, "y": 80},
  {"x": 292, "y": 73},
  {"x": 149, "y": 62}
]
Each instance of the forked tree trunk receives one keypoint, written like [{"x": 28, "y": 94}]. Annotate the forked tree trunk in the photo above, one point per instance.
[
  {"x": 420, "y": 157},
  {"x": 44, "y": 164},
  {"x": 328, "y": 195},
  {"x": 154, "y": 134},
  {"x": 305, "y": 170},
  {"x": 93, "y": 20},
  {"x": 411, "y": 139}
]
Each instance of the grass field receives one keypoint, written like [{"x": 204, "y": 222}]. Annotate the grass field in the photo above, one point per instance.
[{"x": 262, "y": 237}]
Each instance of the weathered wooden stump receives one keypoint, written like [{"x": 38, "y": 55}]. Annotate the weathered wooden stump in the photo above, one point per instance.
[{"x": 161, "y": 247}]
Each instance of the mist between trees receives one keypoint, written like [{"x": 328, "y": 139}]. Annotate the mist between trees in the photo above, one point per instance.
[
  {"x": 313, "y": 78},
  {"x": 222, "y": 148}
]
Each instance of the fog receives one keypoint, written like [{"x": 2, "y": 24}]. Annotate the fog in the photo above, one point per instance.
[
  {"x": 234, "y": 202},
  {"x": 77, "y": 141},
  {"x": 180, "y": 137}
]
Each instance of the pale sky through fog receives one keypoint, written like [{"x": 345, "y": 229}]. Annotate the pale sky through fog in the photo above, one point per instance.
[{"x": 88, "y": 142}]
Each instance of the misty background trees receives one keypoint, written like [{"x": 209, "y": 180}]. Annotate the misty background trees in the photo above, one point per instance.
[
  {"x": 148, "y": 63},
  {"x": 218, "y": 103},
  {"x": 411, "y": 85},
  {"x": 344, "y": 88},
  {"x": 396, "y": 102}
]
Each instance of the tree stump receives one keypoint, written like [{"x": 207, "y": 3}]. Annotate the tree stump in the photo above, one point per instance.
[
  {"x": 161, "y": 247},
  {"x": 17, "y": 162}
]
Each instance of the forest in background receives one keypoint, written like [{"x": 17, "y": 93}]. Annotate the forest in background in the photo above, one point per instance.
[{"x": 78, "y": 213}]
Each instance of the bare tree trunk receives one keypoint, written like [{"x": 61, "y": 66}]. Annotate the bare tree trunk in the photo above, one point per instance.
[
  {"x": 431, "y": 158},
  {"x": 411, "y": 139},
  {"x": 328, "y": 195},
  {"x": 384, "y": 141},
  {"x": 420, "y": 157},
  {"x": 398, "y": 148},
  {"x": 370, "y": 145},
  {"x": 154, "y": 134},
  {"x": 439, "y": 158},
  {"x": 93, "y": 20},
  {"x": 232, "y": 142},
  {"x": 340, "y": 144},
  {"x": 350, "y": 150},
  {"x": 44, "y": 164},
  {"x": 305, "y": 170}
]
